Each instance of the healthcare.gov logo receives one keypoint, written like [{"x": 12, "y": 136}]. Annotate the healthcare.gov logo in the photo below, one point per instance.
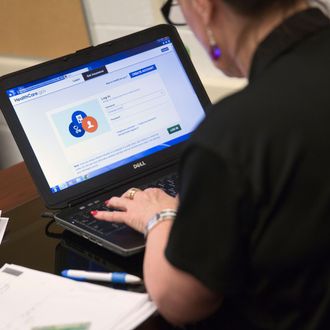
[{"x": 81, "y": 123}]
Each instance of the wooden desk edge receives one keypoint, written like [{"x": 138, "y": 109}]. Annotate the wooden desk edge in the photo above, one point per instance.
[{"x": 16, "y": 187}]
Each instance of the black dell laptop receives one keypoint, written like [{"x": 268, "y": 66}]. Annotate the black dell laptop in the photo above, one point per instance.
[{"x": 94, "y": 123}]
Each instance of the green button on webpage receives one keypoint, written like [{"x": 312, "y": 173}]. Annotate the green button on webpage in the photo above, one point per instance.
[{"x": 174, "y": 129}]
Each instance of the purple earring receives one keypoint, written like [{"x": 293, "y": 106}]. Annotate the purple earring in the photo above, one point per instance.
[{"x": 215, "y": 52}]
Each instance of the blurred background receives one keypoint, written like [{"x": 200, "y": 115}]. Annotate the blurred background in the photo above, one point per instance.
[{"x": 38, "y": 30}]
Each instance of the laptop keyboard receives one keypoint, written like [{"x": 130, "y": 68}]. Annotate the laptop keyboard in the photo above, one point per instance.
[{"x": 168, "y": 183}]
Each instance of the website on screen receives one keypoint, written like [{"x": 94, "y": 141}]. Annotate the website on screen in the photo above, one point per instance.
[{"x": 95, "y": 118}]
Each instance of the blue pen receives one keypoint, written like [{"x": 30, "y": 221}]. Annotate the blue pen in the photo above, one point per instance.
[{"x": 116, "y": 277}]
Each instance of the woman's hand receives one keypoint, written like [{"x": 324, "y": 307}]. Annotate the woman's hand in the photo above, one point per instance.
[{"x": 137, "y": 207}]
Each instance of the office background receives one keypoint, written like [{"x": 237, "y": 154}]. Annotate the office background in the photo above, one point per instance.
[{"x": 37, "y": 30}]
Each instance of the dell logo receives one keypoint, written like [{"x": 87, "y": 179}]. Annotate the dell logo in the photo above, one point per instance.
[{"x": 139, "y": 164}]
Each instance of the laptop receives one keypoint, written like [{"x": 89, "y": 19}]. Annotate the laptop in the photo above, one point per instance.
[{"x": 92, "y": 124}]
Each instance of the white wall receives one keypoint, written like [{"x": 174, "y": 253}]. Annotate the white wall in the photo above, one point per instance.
[
  {"x": 9, "y": 153},
  {"x": 110, "y": 19}
]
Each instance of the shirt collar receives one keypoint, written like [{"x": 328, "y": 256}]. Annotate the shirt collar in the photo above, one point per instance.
[{"x": 293, "y": 30}]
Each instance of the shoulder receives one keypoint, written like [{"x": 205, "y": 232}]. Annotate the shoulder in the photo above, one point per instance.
[
  {"x": 270, "y": 105},
  {"x": 237, "y": 118},
  {"x": 286, "y": 104}
]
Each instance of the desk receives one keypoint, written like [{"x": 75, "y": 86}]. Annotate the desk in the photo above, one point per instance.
[
  {"x": 16, "y": 187},
  {"x": 34, "y": 242}
]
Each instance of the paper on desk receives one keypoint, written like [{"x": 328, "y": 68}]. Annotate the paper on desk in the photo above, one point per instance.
[
  {"x": 3, "y": 226},
  {"x": 30, "y": 298}
]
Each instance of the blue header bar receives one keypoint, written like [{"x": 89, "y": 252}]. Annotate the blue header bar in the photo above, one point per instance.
[{"x": 89, "y": 67}]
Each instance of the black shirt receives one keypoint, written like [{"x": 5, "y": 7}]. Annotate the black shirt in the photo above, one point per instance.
[{"x": 254, "y": 217}]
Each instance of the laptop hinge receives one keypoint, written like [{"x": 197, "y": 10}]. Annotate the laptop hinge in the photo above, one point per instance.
[{"x": 104, "y": 190}]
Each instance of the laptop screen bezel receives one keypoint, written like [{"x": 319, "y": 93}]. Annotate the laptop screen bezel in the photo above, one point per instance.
[{"x": 116, "y": 176}]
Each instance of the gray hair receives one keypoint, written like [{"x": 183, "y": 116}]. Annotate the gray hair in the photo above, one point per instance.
[{"x": 324, "y": 5}]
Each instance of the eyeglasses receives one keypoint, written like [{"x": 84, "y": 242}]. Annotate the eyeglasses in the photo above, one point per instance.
[{"x": 172, "y": 13}]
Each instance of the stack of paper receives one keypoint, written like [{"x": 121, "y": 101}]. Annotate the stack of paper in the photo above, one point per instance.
[
  {"x": 35, "y": 300},
  {"x": 3, "y": 225}
]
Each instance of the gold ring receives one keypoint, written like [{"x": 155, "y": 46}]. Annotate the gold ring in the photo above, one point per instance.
[{"x": 131, "y": 193}]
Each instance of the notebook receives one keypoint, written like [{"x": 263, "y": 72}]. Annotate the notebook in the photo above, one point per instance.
[{"x": 92, "y": 124}]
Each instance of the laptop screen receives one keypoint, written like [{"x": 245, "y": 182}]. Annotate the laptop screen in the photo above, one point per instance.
[{"x": 91, "y": 119}]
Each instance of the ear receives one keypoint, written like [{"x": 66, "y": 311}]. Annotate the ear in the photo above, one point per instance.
[{"x": 204, "y": 8}]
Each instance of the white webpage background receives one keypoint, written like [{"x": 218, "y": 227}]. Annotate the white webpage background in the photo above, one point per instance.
[{"x": 142, "y": 104}]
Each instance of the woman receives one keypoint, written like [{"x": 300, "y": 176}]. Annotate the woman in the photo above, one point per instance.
[{"x": 249, "y": 246}]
